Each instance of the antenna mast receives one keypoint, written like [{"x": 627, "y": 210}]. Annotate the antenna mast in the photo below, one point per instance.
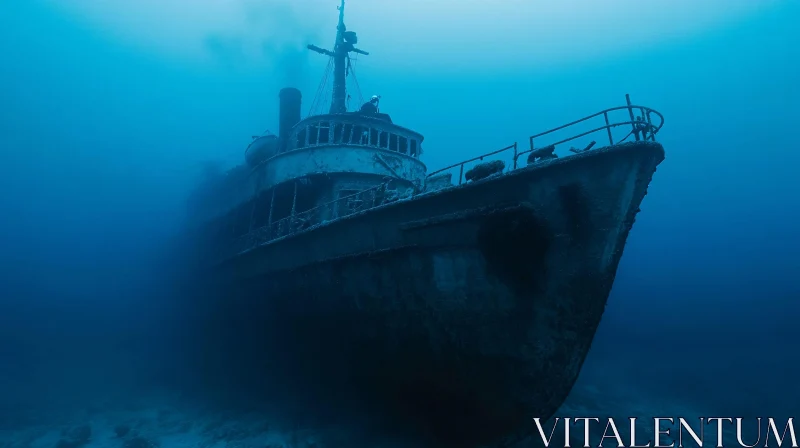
[{"x": 345, "y": 41}]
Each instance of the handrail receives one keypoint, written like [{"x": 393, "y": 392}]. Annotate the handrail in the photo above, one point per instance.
[
  {"x": 461, "y": 164},
  {"x": 605, "y": 113},
  {"x": 296, "y": 222},
  {"x": 642, "y": 128}
]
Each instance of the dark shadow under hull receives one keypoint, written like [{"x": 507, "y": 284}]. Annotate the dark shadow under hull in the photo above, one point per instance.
[{"x": 453, "y": 318}]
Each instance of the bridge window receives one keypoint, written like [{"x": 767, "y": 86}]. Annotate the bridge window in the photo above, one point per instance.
[
  {"x": 337, "y": 133},
  {"x": 413, "y": 148},
  {"x": 324, "y": 133},
  {"x": 373, "y": 137},
  {"x": 348, "y": 129},
  {"x": 384, "y": 143},
  {"x": 301, "y": 138},
  {"x": 393, "y": 142},
  {"x": 403, "y": 145},
  {"x": 313, "y": 134},
  {"x": 360, "y": 135}
]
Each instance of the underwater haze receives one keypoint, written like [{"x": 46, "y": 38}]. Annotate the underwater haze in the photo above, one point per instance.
[{"x": 110, "y": 110}]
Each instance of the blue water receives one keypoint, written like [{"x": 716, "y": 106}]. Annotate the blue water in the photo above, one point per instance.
[{"x": 105, "y": 123}]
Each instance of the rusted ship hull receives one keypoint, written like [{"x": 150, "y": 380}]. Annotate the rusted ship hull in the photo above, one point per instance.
[{"x": 459, "y": 315}]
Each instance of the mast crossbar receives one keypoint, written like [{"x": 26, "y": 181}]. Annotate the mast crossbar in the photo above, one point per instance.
[{"x": 340, "y": 54}]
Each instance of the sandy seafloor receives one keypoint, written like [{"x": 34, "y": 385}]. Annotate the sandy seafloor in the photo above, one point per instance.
[{"x": 171, "y": 422}]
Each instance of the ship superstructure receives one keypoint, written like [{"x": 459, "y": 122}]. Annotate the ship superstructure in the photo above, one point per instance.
[{"x": 315, "y": 168}]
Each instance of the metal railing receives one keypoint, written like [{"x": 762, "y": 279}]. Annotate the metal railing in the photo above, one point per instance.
[
  {"x": 305, "y": 220},
  {"x": 643, "y": 128},
  {"x": 474, "y": 159}
]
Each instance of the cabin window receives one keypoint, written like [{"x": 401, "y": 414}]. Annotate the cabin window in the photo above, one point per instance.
[
  {"x": 393, "y": 142},
  {"x": 301, "y": 138},
  {"x": 413, "y": 148},
  {"x": 403, "y": 145},
  {"x": 324, "y": 133},
  {"x": 313, "y": 134},
  {"x": 337, "y": 133},
  {"x": 373, "y": 137},
  {"x": 348, "y": 129},
  {"x": 384, "y": 140},
  {"x": 358, "y": 135}
]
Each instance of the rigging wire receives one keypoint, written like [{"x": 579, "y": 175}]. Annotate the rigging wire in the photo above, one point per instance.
[
  {"x": 319, "y": 96},
  {"x": 355, "y": 81},
  {"x": 327, "y": 93},
  {"x": 325, "y": 88},
  {"x": 317, "y": 103}
]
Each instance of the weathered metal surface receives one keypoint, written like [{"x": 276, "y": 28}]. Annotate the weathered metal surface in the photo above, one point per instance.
[
  {"x": 457, "y": 315},
  {"x": 324, "y": 159},
  {"x": 439, "y": 181},
  {"x": 451, "y": 317},
  {"x": 341, "y": 159},
  {"x": 335, "y": 145}
]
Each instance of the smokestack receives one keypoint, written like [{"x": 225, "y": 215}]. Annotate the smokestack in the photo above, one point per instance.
[{"x": 289, "y": 113}]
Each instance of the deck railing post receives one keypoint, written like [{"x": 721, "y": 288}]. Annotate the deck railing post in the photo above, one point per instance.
[
  {"x": 642, "y": 119},
  {"x": 608, "y": 129},
  {"x": 650, "y": 126},
  {"x": 515, "y": 155},
  {"x": 633, "y": 120},
  {"x": 461, "y": 174}
]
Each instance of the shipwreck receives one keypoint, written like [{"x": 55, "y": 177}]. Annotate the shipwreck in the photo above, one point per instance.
[{"x": 461, "y": 302}]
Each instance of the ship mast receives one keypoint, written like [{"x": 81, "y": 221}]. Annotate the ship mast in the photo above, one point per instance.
[{"x": 341, "y": 55}]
